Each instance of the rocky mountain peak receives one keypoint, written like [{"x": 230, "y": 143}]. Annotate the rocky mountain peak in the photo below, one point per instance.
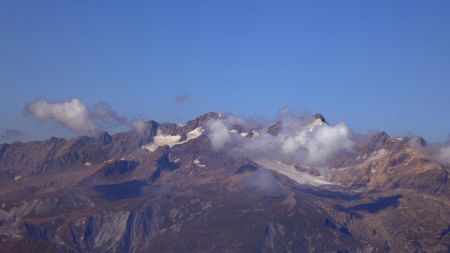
[
  {"x": 377, "y": 141},
  {"x": 320, "y": 117},
  {"x": 105, "y": 138},
  {"x": 201, "y": 120}
]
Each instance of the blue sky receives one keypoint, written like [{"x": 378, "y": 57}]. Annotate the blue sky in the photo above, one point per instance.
[{"x": 377, "y": 65}]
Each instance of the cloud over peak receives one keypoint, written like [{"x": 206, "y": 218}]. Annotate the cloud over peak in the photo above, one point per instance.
[{"x": 305, "y": 140}]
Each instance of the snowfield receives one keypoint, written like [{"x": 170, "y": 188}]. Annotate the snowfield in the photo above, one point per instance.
[
  {"x": 291, "y": 172},
  {"x": 161, "y": 139}
]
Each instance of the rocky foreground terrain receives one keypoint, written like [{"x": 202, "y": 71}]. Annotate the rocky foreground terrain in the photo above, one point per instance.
[{"x": 167, "y": 189}]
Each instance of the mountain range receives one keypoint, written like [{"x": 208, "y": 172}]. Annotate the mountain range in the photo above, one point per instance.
[{"x": 222, "y": 184}]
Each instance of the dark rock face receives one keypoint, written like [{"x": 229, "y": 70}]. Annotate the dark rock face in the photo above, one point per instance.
[
  {"x": 375, "y": 206},
  {"x": 340, "y": 228},
  {"x": 163, "y": 164},
  {"x": 43, "y": 232},
  {"x": 109, "y": 194},
  {"x": 421, "y": 141},
  {"x": 105, "y": 138},
  {"x": 3, "y": 148},
  {"x": 119, "y": 168},
  {"x": 126, "y": 190},
  {"x": 246, "y": 168}
]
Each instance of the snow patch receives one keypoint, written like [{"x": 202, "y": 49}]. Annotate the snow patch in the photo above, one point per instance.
[
  {"x": 172, "y": 140},
  {"x": 199, "y": 164},
  {"x": 87, "y": 164},
  {"x": 163, "y": 140},
  {"x": 291, "y": 172},
  {"x": 197, "y": 132}
]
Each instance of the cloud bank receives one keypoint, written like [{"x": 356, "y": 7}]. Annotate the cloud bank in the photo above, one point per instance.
[
  {"x": 75, "y": 115},
  {"x": 305, "y": 140}
]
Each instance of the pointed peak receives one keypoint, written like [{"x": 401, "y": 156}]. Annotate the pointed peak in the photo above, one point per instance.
[
  {"x": 377, "y": 141},
  {"x": 201, "y": 120},
  {"x": 209, "y": 115},
  {"x": 105, "y": 138},
  {"x": 320, "y": 117}
]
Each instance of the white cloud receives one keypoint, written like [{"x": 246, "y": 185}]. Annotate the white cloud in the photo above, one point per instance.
[
  {"x": 444, "y": 155},
  {"x": 328, "y": 141},
  {"x": 75, "y": 115},
  {"x": 303, "y": 140},
  {"x": 219, "y": 133}
]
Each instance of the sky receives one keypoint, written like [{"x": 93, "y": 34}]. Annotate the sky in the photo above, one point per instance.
[{"x": 376, "y": 65}]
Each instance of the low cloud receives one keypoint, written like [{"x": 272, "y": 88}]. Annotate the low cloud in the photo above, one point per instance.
[
  {"x": 443, "y": 155},
  {"x": 75, "y": 115},
  {"x": 105, "y": 116},
  {"x": 262, "y": 180},
  {"x": 182, "y": 98},
  {"x": 140, "y": 126},
  {"x": 11, "y": 133},
  {"x": 219, "y": 134},
  {"x": 304, "y": 140}
]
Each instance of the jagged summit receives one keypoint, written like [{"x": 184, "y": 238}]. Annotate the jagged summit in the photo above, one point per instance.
[
  {"x": 314, "y": 121},
  {"x": 176, "y": 129}
]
